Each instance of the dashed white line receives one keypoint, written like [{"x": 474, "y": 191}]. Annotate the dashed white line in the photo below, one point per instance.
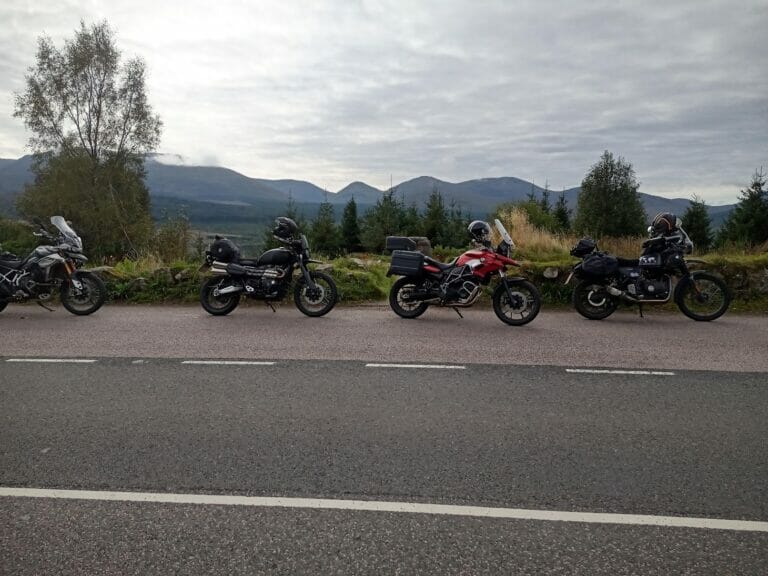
[
  {"x": 52, "y": 360},
  {"x": 229, "y": 362},
  {"x": 426, "y": 366},
  {"x": 401, "y": 507},
  {"x": 629, "y": 372}
]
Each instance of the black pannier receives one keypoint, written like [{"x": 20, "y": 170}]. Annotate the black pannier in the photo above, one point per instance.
[
  {"x": 584, "y": 247},
  {"x": 600, "y": 264},
  {"x": 393, "y": 243},
  {"x": 406, "y": 263},
  {"x": 224, "y": 250},
  {"x": 420, "y": 243}
]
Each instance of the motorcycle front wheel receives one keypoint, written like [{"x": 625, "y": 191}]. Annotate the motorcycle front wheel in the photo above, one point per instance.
[
  {"x": 88, "y": 298},
  {"x": 592, "y": 301},
  {"x": 518, "y": 306},
  {"x": 399, "y": 302},
  {"x": 218, "y": 305},
  {"x": 702, "y": 296},
  {"x": 316, "y": 301}
]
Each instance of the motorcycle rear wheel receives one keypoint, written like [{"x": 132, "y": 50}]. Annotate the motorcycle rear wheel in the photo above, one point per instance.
[
  {"x": 400, "y": 306},
  {"x": 702, "y": 297},
  {"x": 592, "y": 301},
  {"x": 218, "y": 305},
  {"x": 521, "y": 306},
  {"x": 87, "y": 300},
  {"x": 318, "y": 301}
]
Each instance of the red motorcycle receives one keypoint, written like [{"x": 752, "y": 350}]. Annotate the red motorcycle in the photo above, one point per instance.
[{"x": 426, "y": 282}]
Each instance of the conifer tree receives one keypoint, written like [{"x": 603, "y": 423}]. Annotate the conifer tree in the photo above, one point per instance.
[
  {"x": 350, "y": 227},
  {"x": 609, "y": 203},
  {"x": 698, "y": 225},
  {"x": 562, "y": 214},
  {"x": 324, "y": 234},
  {"x": 747, "y": 224}
]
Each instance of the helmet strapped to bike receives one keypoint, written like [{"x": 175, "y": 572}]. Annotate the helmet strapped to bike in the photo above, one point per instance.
[
  {"x": 664, "y": 223},
  {"x": 480, "y": 231},
  {"x": 285, "y": 228}
]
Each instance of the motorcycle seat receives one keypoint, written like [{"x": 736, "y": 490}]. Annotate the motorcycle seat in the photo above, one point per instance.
[
  {"x": 12, "y": 264},
  {"x": 248, "y": 262},
  {"x": 438, "y": 264},
  {"x": 628, "y": 262}
]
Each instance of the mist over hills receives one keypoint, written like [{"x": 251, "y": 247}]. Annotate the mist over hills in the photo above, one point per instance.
[{"x": 217, "y": 196}]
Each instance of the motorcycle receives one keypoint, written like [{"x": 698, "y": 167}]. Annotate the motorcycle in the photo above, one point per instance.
[
  {"x": 606, "y": 280},
  {"x": 268, "y": 277},
  {"x": 458, "y": 284},
  {"x": 49, "y": 268}
]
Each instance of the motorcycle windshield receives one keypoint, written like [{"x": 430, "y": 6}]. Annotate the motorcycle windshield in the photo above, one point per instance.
[
  {"x": 66, "y": 231},
  {"x": 503, "y": 232}
]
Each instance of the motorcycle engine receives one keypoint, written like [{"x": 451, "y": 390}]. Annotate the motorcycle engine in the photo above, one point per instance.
[
  {"x": 461, "y": 289},
  {"x": 650, "y": 288},
  {"x": 264, "y": 282}
]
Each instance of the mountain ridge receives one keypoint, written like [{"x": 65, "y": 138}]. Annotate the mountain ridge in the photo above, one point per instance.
[{"x": 178, "y": 183}]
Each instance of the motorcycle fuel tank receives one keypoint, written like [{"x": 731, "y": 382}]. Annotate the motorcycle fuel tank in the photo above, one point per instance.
[{"x": 276, "y": 256}]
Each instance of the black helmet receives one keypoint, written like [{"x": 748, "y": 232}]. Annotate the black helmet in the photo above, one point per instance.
[
  {"x": 285, "y": 228},
  {"x": 479, "y": 230},
  {"x": 664, "y": 223}
]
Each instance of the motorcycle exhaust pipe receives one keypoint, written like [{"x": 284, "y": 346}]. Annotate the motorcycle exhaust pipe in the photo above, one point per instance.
[
  {"x": 621, "y": 294},
  {"x": 229, "y": 290}
]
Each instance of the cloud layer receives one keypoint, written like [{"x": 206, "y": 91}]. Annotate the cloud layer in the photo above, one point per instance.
[{"x": 334, "y": 92}]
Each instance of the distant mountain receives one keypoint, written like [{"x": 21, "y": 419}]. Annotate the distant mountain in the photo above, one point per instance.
[
  {"x": 210, "y": 193},
  {"x": 360, "y": 191}
]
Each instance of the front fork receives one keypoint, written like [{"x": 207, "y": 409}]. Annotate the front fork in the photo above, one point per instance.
[
  {"x": 507, "y": 287},
  {"x": 307, "y": 276},
  {"x": 70, "y": 269}
]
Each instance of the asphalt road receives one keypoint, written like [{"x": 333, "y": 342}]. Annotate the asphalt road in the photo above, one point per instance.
[
  {"x": 502, "y": 428},
  {"x": 560, "y": 338}
]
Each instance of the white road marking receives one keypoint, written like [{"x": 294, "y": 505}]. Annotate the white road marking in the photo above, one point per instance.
[
  {"x": 428, "y": 366},
  {"x": 630, "y": 372},
  {"x": 402, "y": 507},
  {"x": 53, "y": 360},
  {"x": 229, "y": 362}
]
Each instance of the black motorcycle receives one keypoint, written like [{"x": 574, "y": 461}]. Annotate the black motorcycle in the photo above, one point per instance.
[
  {"x": 606, "y": 280},
  {"x": 268, "y": 277},
  {"x": 51, "y": 268}
]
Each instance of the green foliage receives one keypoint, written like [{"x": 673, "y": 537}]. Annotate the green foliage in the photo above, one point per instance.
[
  {"x": 382, "y": 220},
  {"x": 107, "y": 203},
  {"x": 609, "y": 203},
  {"x": 562, "y": 215},
  {"x": 698, "y": 225},
  {"x": 172, "y": 239},
  {"x": 16, "y": 237},
  {"x": 747, "y": 224},
  {"x": 534, "y": 211},
  {"x": 361, "y": 280},
  {"x": 435, "y": 218},
  {"x": 324, "y": 236},
  {"x": 350, "y": 228},
  {"x": 91, "y": 126}
]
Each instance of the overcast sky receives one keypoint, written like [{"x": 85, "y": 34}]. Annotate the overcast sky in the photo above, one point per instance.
[{"x": 334, "y": 91}]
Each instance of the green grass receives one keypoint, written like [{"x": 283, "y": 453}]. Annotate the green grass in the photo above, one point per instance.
[{"x": 363, "y": 279}]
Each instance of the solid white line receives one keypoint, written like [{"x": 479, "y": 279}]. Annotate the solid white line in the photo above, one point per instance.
[
  {"x": 631, "y": 372},
  {"x": 403, "y": 507},
  {"x": 53, "y": 360},
  {"x": 430, "y": 366},
  {"x": 229, "y": 362}
]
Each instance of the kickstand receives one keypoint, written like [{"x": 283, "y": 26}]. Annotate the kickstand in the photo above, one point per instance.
[
  {"x": 44, "y": 306},
  {"x": 270, "y": 305},
  {"x": 640, "y": 306},
  {"x": 457, "y": 312}
]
